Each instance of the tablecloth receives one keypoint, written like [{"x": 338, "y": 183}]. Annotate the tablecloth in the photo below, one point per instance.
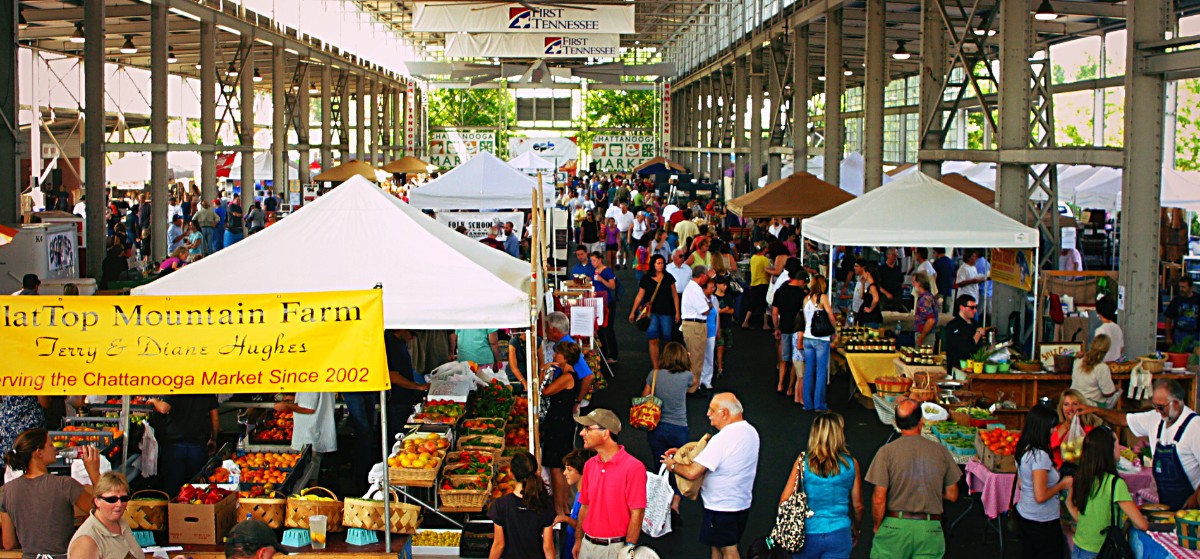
[
  {"x": 1158, "y": 545},
  {"x": 910, "y": 371},
  {"x": 866, "y": 367},
  {"x": 995, "y": 488}
]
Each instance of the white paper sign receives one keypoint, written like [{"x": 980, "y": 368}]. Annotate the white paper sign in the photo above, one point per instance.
[
  {"x": 477, "y": 17},
  {"x": 528, "y": 45},
  {"x": 583, "y": 321}
]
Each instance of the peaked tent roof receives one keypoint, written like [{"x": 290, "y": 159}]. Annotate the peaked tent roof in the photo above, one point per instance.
[
  {"x": 659, "y": 165},
  {"x": 407, "y": 164},
  {"x": 356, "y": 236},
  {"x": 531, "y": 161},
  {"x": 801, "y": 195},
  {"x": 900, "y": 215},
  {"x": 347, "y": 171},
  {"x": 969, "y": 187},
  {"x": 482, "y": 182}
]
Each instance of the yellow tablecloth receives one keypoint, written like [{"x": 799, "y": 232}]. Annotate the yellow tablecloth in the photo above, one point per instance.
[{"x": 866, "y": 367}]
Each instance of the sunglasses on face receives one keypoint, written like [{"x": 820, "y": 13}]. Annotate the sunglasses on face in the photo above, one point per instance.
[
  {"x": 112, "y": 499},
  {"x": 972, "y": 307}
]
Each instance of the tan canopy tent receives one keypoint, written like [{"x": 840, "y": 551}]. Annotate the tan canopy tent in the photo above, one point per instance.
[
  {"x": 970, "y": 188},
  {"x": 659, "y": 165},
  {"x": 800, "y": 195},
  {"x": 343, "y": 172},
  {"x": 407, "y": 164}
]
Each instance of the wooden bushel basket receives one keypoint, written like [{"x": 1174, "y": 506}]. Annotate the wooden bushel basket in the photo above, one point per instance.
[
  {"x": 147, "y": 514},
  {"x": 368, "y": 515},
  {"x": 270, "y": 511},
  {"x": 298, "y": 511},
  {"x": 923, "y": 394}
]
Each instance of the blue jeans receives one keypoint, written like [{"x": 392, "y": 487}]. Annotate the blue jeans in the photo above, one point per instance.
[
  {"x": 660, "y": 327},
  {"x": 666, "y": 436},
  {"x": 1077, "y": 553},
  {"x": 816, "y": 373},
  {"x": 833, "y": 545},
  {"x": 178, "y": 462}
]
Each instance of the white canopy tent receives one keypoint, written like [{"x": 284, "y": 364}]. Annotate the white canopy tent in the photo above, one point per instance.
[
  {"x": 356, "y": 237},
  {"x": 264, "y": 168},
  {"x": 135, "y": 167},
  {"x": 884, "y": 216},
  {"x": 482, "y": 182},
  {"x": 530, "y": 161},
  {"x": 1179, "y": 189}
]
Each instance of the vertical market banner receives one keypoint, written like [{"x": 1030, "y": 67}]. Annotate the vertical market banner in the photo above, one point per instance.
[
  {"x": 448, "y": 149},
  {"x": 478, "y": 223},
  {"x": 622, "y": 153},
  {"x": 1013, "y": 267},
  {"x": 664, "y": 131},
  {"x": 293, "y": 342}
]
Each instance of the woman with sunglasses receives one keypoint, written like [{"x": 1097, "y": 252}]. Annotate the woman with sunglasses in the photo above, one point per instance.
[
  {"x": 40, "y": 507},
  {"x": 106, "y": 534}
]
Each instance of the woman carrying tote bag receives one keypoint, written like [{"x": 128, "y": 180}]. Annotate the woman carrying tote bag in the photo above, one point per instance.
[
  {"x": 833, "y": 484},
  {"x": 818, "y": 334}
]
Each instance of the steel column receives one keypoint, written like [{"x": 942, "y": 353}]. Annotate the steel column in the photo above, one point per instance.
[
  {"x": 754, "y": 61},
  {"x": 775, "y": 94},
  {"x": 208, "y": 109},
  {"x": 373, "y": 135},
  {"x": 159, "y": 173},
  {"x": 835, "y": 137},
  {"x": 303, "y": 132},
  {"x": 246, "y": 114},
  {"x": 933, "y": 73},
  {"x": 10, "y": 163},
  {"x": 279, "y": 127},
  {"x": 801, "y": 93},
  {"x": 1140, "y": 197},
  {"x": 1015, "y": 96},
  {"x": 737, "y": 112},
  {"x": 876, "y": 82},
  {"x": 93, "y": 133},
  {"x": 360, "y": 122},
  {"x": 326, "y": 117},
  {"x": 398, "y": 119}
]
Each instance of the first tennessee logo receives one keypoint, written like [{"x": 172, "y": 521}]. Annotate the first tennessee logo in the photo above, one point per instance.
[
  {"x": 554, "y": 45},
  {"x": 518, "y": 18}
]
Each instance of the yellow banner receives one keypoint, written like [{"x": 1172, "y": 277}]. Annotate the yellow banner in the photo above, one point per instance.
[
  {"x": 221, "y": 344},
  {"x": 1013, "y": 267}
]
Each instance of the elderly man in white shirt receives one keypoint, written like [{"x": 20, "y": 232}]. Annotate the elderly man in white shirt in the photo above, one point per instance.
[
  {"x": 679, "y": 270},
  {"x": 694, "y": 307}
]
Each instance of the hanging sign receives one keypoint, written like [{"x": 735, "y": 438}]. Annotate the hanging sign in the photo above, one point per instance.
[
  {"x": 410, "y": 111},
  {"x": 551, "y": 149},
  {"x": 448, "y": 149},
  {"x": 622, "y": 153},
  {"x": 219, "y": 344},
  {"x": 664, "y": 131},
  {"x": 1013, "y": 267},
  {"x": 527, "y": 45},
  {"x": 497, "y": 17},
  {"x": 478, "y": 223}
]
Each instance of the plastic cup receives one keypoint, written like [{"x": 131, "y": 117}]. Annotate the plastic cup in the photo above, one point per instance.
[{"x": 316, "y": 530}]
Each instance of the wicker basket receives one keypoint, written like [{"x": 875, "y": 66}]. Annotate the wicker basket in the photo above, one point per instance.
[
  {"x": 147, "y": 514},
  {"x": 463, "y": 431},
  {"x": 368, "y": 515},
  {"x": 1121, "y": 367},
  {"x": 1152, "y": 365},
  {"x": 413, "y": 477},
  {"x": 461, "y": 499},
  {"x": 894, "y": 385},
  {"x": 925, "y": 393},
  {"x": 271, "y": 511},
  {"x": 298, "y": 511},
  {"x": 466, "y": 443},
  {"x": 1028, "y": 367}
]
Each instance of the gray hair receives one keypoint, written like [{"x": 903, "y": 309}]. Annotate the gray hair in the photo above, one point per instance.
[
  {"x": 558, "y": 321},
  {"x": 922, "y": 280},
  {"x": 1172, "y": 387},
  {"x": 728, "y": 402},
  {"x": 698, "y": 270}
]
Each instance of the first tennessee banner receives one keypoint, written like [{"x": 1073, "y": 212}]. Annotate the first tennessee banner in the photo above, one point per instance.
[{"x": 224, "y": 344}]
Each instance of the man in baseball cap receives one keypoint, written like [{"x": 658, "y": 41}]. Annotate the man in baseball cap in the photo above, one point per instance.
[
  {"x": 252, "y": 539},
  {"x": 612, "y": 492}
]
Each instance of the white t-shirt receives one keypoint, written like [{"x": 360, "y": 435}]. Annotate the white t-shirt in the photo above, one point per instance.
[
  {"x": 624, "y": 221},
  {"x": 1117, "y": 338},
  {"x": 732, "y": 461},
  {"x": 682, "y": 275},
  {"x": 1146, "y": 424},
  {"x": 639, "y": 229},
  {"x": 172, "y": 211},
  {"x": 80, "y": 209},
  {"x": 694, "y": 305},
  {"x": 966, "y": 272},
  {"x": 317, "y": 429},
  {"x": 613, "y": 211},
  {"x": 926, "y": 269},
  {"x": 669, "y": 211}
]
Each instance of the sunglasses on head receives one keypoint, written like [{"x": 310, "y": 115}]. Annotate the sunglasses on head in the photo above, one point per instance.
[{"x": 112, "y": 499}]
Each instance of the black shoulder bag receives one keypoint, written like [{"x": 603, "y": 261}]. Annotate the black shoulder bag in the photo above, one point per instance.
[{"x": 1116, "y": 545}]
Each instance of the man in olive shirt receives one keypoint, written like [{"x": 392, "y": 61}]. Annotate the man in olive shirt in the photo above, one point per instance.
[{"x": 912, "y": 475}]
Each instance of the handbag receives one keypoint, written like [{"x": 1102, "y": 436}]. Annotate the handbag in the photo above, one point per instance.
[
  {"x": 821, "y": 324},
  {"x": 1116, "y": 545},
  {"x": 646, "y": 411},
  {"x": 792, "y": 515},
  {"x": 643, "y": 318},
  {"x": 764, "y": 548},
  {"x": 657, "y": 520}
]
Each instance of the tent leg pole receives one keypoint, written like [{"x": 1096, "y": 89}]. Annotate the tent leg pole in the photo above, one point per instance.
[
  {"x": 1037, "y": 268},
  {"x": 531, "y": 378},
  {"x": 125, "y": 435},
  {"x": 387, "y": 502}
]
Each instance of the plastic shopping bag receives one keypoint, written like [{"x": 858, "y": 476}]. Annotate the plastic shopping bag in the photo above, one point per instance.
[
  {"x": 149, "y": 448},
  {"x": 1072, "y": 444},
  {"x": 657, "y": 521}
]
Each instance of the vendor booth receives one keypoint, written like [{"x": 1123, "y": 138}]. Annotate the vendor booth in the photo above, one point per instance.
[
  {"x": 530, "y": 161},
  {"x": 408, "y": 164},
  {"x": 482, "y": 182},
  {"x": 659, "y": 166},
  {"x": 801, "y": 195},
  {"x": 346, "y": 171}
]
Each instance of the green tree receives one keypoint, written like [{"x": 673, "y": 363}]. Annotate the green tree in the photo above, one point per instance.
[
  {"x": 473, "y": 108},
  {"x": 604, "y": 108},
  {"x": 1187, "y": 140}
]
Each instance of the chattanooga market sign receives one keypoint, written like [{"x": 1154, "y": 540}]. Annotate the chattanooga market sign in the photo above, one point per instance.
[
  {"x": 296, "y": 342},
  {"x": 449, "y": 149},
  {"x": 521, "y": 45},
  {"x": 469, "y": 17},
  {"x": 622, "y": 153}
]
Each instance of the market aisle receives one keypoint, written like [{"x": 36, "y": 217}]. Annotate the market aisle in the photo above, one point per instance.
[{"x": 782, "y": 426}]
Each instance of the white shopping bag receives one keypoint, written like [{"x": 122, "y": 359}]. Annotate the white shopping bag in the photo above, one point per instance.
[
  {"x": 149, "y": 448},
  {"x": 657, "y": 521}
]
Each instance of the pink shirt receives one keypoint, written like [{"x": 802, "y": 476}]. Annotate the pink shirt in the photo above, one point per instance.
[{"x": 611, "y": 490}]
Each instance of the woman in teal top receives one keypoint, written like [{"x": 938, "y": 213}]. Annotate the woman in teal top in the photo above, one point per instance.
[
  {"x": 478, "y": 345},
  {"x": 1095, "y": 489},
  {"x": 834, "y": 486}
]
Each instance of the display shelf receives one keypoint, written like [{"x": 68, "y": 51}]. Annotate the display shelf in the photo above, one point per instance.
[{"x": 1025, "y": 389}]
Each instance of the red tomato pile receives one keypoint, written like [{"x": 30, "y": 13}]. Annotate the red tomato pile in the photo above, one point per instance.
[{"x": 1000, "y": 441}]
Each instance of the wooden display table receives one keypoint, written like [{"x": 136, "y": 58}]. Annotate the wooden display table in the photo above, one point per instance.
[
  {"x": 335, "y": 548},
  {"x": 1026, "y": 388},
  {"x": 866, "y": 367}
]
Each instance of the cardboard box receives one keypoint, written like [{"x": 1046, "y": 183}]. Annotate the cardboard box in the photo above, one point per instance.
[
  {"x": 201, "y": 524},
  {"x": 995, "y": 462}
]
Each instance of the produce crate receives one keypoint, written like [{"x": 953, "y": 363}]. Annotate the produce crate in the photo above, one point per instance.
[
  {"x": 414, "y": 477},
  {"x": 481, "y": 443},
  {"x": 298, "y": 510},
  {"x": 465, "y": 500},
  {"x": 436, "y": 542},
  {"x": 463, "y": 430},
  {"x": 148, "y": 512},
  {"x": 368, "y": 515},
  {"x": 271, "y": 511},
  {"x": 995, "y": 462},
  {"x": 201, "y": 524},
  {"x": 1187, "y": 532}
]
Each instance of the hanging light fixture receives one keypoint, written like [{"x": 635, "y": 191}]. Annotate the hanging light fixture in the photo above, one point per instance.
[
  {"x": 1045, "y": 12},
  {"x": 901, "y": 52},
  {"x": 21, "y": 23},
  {"x": 821, "y": 76},
  {"x": 77, "y": 37},
  {"x": 257, "y": 76},
  {"x": 171, "y": 58},
  {"x": 846, "y": 69},
  {"x": 313, "y": 89},
  {"x": 231, "y": 72},
  {"x": 128, "y": 47}
]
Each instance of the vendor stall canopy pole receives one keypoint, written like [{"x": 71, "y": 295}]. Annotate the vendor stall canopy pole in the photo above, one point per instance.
[{"x": 387, "y": 499}]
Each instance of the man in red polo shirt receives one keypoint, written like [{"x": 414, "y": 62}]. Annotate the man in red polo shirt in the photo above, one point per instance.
[{"x": 612, "y": 492}]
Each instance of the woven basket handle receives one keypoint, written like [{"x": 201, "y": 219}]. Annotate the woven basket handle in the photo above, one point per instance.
[
  {"x": 375, "y": 491},
  {"x": 316, "y": 487},
  {"x": 163, "y": 493}
]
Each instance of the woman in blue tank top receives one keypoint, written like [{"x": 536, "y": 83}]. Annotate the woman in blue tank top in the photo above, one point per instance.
[{"x": 834, "y": 486}]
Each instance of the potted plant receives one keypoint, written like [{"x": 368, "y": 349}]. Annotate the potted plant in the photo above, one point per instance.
[
  {"x": 980, "y": 359},
  {"x": 1178, "y": 352},
  {"x": 1003, "y": 366}
]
